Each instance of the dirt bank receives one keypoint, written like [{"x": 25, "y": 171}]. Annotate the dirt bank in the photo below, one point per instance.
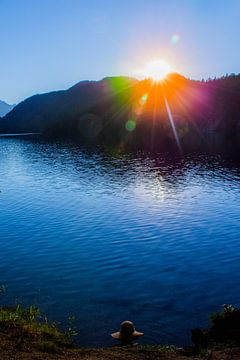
[{"x": 11, "y": 349}]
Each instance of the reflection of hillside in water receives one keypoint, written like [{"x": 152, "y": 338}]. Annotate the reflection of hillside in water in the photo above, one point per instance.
[{"x": 148, "y": 176}]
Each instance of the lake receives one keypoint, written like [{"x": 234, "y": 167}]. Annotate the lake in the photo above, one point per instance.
[{"x": 110, "y": 237}]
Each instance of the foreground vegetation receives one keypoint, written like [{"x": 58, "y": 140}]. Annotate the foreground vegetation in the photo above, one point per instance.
[
  {"x": 27, "y": 326},
  {"x": 26, "y": 334}
]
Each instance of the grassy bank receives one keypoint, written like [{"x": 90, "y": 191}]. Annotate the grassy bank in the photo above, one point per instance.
[
  {"x": 27, "y": 326},
  {"x": 26, "y": 334}
]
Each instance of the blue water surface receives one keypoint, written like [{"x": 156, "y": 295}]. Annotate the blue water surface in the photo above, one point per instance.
[{"x": 109, "y": 237}]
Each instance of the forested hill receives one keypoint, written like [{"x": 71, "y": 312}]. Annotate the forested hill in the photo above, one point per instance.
[{"x": 121, "y": 110}]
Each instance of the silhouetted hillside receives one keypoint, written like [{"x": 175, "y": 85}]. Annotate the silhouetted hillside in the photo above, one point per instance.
[
  {"x": 5, "y": 108},
  {"x": 123, "y": 111}
]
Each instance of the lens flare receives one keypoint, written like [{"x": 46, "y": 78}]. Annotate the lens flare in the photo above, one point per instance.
[
  {"x": 157, "y": 70},
  {"x": 143, "y": 99},
  {"x": 130, "y": 125},
  {"x": 175, "y": 39},
  {"x": 170, "y": 117}
]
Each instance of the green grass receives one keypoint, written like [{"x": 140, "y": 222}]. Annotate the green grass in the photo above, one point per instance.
[{"x": 25, "y": 322}]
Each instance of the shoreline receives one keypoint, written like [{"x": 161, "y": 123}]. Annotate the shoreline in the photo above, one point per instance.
[
  {"x": 18, "y": 134},
  {"x": 10, "y": 350},
  {"x": 27, "y": 334}
]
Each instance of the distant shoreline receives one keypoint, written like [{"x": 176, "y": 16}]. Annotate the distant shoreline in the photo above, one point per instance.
[{"x": 20, "y": 134}]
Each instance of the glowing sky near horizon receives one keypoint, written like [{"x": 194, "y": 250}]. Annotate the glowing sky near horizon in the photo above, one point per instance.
[{"x": 47, "y": 45}]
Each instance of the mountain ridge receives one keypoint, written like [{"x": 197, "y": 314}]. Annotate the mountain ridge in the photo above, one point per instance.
[{"x": 99, "y": 111}]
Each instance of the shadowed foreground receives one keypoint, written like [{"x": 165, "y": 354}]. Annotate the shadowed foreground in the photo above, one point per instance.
[
  {"x": 26, "y": 334},
  {"x": 9, "y": 351}
]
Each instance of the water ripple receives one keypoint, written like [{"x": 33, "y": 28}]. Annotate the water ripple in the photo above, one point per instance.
[{"x": 153, "y": 239}]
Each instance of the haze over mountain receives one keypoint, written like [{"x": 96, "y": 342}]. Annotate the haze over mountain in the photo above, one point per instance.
[
  {"x": 124, "y": 111},
  {"x": 5, "y": 108}
]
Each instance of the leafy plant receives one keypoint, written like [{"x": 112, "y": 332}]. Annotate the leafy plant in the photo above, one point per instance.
[{"x": 71, "y": 331}]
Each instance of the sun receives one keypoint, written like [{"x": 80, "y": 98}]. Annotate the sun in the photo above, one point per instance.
[{"x": 157, "y": 70}]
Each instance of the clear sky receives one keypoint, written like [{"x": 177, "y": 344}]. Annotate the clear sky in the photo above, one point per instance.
[{"x": 52, "y": 44}]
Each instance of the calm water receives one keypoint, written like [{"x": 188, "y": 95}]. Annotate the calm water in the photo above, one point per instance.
[{"x": 107, "y": 238}]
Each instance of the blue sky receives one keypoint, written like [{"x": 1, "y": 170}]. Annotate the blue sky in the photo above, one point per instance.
[{"x": 52, "y": 44}]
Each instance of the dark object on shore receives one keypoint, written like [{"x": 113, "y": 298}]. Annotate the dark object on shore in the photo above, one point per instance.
[
  {"x": 224, "y": 330},
  {"x": 199, "y": 339},
  {"x": 226, "y": 325},
  {"x": 127, "y": 333}
]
